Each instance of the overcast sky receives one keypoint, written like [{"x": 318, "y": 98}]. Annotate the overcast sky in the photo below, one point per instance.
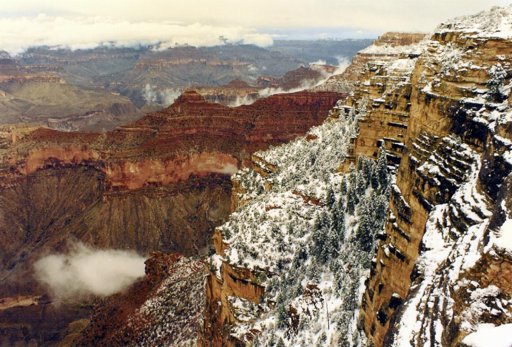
[{"x": 80, "y": 24}]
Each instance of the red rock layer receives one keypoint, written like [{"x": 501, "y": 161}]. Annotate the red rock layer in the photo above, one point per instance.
[{"x": 190, "y": 138}]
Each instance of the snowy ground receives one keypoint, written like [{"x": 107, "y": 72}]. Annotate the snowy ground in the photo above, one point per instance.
[{"x": 311, "y": 237}]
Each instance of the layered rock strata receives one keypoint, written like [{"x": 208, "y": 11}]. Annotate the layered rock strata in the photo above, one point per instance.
[
  {"x": 387, "y": 47},
  {"x": 439, "y": 109},
  {"x": 160, "y": 183},
  {"x": 449, "y": 203},
  {"x": 238, "y": 297}
]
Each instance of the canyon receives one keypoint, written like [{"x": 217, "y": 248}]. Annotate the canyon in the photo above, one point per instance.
[
  {"x": 130, "y": 69},
  {"x": 436, "y": 110},
  {"x": 159, "y": 183},
  {"x": 373, "y": 209},
  {"x": 101, "y": 88},
  {"x": 28, "y": 95}
]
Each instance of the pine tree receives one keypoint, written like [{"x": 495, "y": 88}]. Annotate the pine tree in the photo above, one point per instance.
[
  {"x": 382, "y": 170},
  {"x": 351, "y": 202},
  {"x": 496, "y": 82},
  {"x": 331, "y": 198},
  {"x": 282, "y": 317},
  {"x": 319, "y": 243},
  {"x": 361, "y": 180},
  {"x": 272, "y": 341},
  {"x": 364, "y": 233},
  {"x": 343, "y": 186}
]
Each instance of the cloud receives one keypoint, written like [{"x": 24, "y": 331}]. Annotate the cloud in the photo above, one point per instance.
[
  {"x": 89, "y": 23},
  {"x": 20, "y": 33},
  {"x": 85, "y": 271},
  {"x": 362, "y": 14},
  {"x": 318, "y": 62},
  {"x": 343, "y": 63},
  {"x": 165, "y": 97}
]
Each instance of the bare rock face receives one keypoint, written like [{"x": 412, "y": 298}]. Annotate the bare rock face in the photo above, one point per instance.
[
  {"x": 161, "y": 183},
  {"x": 388, "y": 47},
  {"x": 238, "y": 92},
  {"x": 235, "y": 93},
  {"x": 377, "y": 79}
]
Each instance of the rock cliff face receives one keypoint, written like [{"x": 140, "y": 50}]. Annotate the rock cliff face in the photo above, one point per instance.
[
  {"x": 449, "y": 205},
  {"x": 382, "y": 75},
  {"x": 275, "y": 272},
  {"x": 438, "y": 112},
  {"x": 232, "y": 94},
  {"x": 389, "y": 224},
  {"x": 386, "y": 48},
  {"x": 246, "y": 292},
  {"x": 238, "y": 93}
]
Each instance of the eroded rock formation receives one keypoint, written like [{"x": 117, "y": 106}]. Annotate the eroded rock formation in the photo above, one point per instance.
[
  {"x": 445, "y": 207},
  {"x": 41, "y": 97},
  {"x": 238, "y": 300},
  {"x": 166, "y": 307},
  {"x": 161, "y": 183},
  {"x": 439, "y": 109}
]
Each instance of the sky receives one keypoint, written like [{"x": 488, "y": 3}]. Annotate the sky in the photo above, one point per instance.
[{"x": 86, "y": 24}]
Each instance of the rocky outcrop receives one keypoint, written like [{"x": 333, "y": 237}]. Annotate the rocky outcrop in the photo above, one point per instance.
[
  {"x": 383, "y": 91},
  {"x": 235, "y": 93},
  {"x": 161, "y": 183},
  {"x": 439, "y": 110},
  {"x": 237, "y": 299},
  {"x": 198, "y": 136},
  {"x": 238, "y": 92},
  {"x": 261, "y": 283},
  {"x": 164, "y": 308},
  {"x": 439, "y": 232},
  {"x": 386, "y": 48},
  {"x": 228, "y": 283}
]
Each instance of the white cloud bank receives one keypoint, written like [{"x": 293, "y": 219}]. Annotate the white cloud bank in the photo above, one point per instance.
[
  {"x": 20, "y": 33},
  {"x": 85, "y": 24},
  {"x": 85, "y": 271},
  {"x": 343, "y": 63},
  {"x": 164, "y": 97}
]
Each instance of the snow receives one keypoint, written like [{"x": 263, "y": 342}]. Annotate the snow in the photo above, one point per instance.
[
  {"x": 216, "y": 262},
  {"x": 174, "y": 313},
  {"x": 483, "y": 302},
  {"x": 445, "y": 258},
  {"x": 405, "y": 65},
  {"x": 387, "y": 49},
  {"x": 493, "y": 23},
  {"x": 490, "y": 335},
  {"x": 289, "y": 219},
  {"x": 503, "y": 238}
]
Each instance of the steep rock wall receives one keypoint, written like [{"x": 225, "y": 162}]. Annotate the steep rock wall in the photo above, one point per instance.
[
  {"x": 237, "y": 298},
  {"x": 444, "y": 196}
]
